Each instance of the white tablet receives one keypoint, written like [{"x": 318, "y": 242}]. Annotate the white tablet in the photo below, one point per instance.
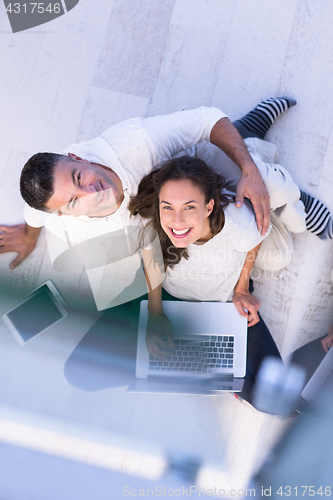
[{"x": 44, "y": 307}]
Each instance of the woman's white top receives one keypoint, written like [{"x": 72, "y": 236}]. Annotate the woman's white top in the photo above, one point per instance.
[{"x": 213, "y": 269}]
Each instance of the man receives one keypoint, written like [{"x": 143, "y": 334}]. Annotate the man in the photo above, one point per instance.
[{"x": 114, "y": 164}]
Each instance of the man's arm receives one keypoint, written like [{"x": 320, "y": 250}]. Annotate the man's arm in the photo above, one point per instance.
[
  {"x": 225, "y": 136},
  {"x": 20, "y": 238},
  {"x": 159, "y": 329}
]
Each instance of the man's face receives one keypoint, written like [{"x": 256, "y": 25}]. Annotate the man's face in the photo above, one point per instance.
[{"x": 84, "y": 188}]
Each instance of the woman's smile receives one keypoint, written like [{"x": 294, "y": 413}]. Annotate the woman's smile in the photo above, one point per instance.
[{"x": 180, "y": 233}]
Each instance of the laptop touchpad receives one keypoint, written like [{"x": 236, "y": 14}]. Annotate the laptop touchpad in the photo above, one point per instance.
[{"x": 192, "y": 319}]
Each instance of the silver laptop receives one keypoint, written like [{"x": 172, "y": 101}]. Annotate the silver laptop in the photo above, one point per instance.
[{"x": 210, "y": 340}]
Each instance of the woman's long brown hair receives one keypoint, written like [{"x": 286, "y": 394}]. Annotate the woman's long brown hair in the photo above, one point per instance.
[{"x": 146, "y": 202}]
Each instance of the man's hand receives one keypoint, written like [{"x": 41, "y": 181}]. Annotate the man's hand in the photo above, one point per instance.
[
  {"x": 252, "y": 186},
  {"x": 159, "y": 338},
  {"x": 244, "y": 300},
  {"x": 327, "y": 342},
  {"x": 21, "y": 239}
]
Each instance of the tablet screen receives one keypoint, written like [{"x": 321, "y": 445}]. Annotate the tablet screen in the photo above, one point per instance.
[{"x": 35, "y": 314}]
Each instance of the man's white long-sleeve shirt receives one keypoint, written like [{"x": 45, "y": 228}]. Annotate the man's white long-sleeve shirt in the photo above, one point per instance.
[{"x": 131, "y": 149}]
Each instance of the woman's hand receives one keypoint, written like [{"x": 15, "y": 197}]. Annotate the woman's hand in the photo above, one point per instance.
[
  {"x": 159, "y": 338},
  {"x": 244, "y": 300},
  {"x": 327, "y": 342}
]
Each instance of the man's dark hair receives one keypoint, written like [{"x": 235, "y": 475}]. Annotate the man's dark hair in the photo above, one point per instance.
[{"x": 37, "y": 181}]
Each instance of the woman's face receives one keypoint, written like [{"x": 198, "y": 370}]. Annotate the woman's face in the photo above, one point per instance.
[{"x": 184, "y": 214}]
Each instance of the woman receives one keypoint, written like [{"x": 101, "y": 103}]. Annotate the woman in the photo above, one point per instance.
[{"x": 209, "y": 248}]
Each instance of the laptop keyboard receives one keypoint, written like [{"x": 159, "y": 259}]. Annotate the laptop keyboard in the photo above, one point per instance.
[{"x": 197, "y": 356}]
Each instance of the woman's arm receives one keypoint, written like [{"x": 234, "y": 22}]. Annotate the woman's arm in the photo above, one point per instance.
[
  {"x": 226, "y": 137},
  {"x": 159, "y": 330},
  {"x": 327, "y": 342},
  {"x": 242, "y": 297},
  {"x": 20, "y": 238}
]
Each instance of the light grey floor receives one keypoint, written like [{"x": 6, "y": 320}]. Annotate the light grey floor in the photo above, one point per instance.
[{"x": 106, "y": 61}]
